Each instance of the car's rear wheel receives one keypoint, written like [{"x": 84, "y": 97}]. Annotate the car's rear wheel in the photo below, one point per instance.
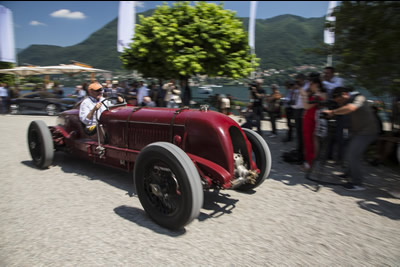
[
  {"x": 261, "y": 155},
  {"x": 168, "y": 185},
  {"x": 14, "y": 109},
  {"x": 51, "y": 109},
  {"x": 40, "y": 144}
]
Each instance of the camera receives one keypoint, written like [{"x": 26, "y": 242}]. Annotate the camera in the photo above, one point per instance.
[
  {"x": 251, "y": 85},
  {"x": 323, "y": 105}
]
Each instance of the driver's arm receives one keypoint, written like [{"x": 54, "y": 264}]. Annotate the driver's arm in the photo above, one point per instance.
[
  {"x": 91, "y": 113},
  {"x": 86, "y": 112}
]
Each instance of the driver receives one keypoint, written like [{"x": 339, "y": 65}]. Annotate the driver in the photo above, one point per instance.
[{"x": 93, "y": 103}]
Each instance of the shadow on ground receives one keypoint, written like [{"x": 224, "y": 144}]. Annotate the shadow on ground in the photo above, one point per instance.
[
  {"x": 216, "y": 203},
  {"x": 379, "y": 180}
]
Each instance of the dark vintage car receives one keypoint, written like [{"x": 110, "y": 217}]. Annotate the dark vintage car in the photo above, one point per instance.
[
  {"x": 41, "y": 101},
  {"x": 174, "y": 154}
]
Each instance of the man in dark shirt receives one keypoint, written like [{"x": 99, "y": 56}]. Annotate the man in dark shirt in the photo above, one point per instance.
[
  {"x": 363, "y": 130},
  {"x": 256, "y": 98}
]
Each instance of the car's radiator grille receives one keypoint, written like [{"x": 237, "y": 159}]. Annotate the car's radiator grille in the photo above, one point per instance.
[{"x": 142, "y": 134}]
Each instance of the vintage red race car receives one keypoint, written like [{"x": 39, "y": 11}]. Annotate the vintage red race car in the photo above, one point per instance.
[{"x": 174, "y": 154}]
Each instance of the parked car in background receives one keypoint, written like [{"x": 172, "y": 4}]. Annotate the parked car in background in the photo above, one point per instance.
[{"x": 41, "y": 101}]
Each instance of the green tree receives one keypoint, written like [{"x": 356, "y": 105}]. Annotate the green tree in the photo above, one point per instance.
[
  {"x": 367, "y": 35},
  {"x": 6, "y": 78},
  {"x": 183, "y": 40}
]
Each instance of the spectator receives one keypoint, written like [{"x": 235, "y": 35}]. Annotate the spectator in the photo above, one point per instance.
[
  {"x": 363, "y": 129},
  {"x": 79, "y": 92},
  {"x": 168, "y": 87},
  {"x": 225, "y": 104},
  {"x": 310, "y": 97},
  {"x": 330, "y": 81},
  {"x": 172, "y": 94},
  {"x": 57, "y": 90},
  {"x": 15, "y": 92},
  {"x": 248, "y": 114},
  {"x": 85, "y": 87},
  {"x": 160, "y": 96},
  {"x": 147, "y": 102},
  {"x": 187, "y": 93},
  {"x": 107, "y": 86},
  {"x": 132, "y": 93},
  {"x": 298, "y": 109},
  {"x": 142, "y": 91},
  {"x": 3, "y": 98},
  {"x": 273, "y": 107},
  {"x": 256, "y": 97},
  {"x": 289, "y": 101},
  {"x": 153, "y": 92}
]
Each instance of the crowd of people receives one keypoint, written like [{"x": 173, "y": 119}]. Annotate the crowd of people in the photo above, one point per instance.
[
  {"x": 309, "y": 102},
  {"x": 138, "y": 93}
]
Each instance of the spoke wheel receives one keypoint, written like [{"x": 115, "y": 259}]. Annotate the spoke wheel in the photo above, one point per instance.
[
  {"x": 168, "y": 185},
  {"x": 40, "y": 144},
  {"x": 262, "y": 157}
]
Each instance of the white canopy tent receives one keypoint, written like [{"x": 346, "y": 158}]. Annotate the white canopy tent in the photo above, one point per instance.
[{"x": 59, "y": 69}]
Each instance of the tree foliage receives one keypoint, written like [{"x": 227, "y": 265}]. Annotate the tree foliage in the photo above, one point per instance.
[
  {"x": 183, "y": 40},
  {"x": 367, "y": 35},
  {"x": 6, "y": 78}
]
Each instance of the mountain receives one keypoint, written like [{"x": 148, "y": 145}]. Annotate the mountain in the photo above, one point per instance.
[{"x": 279, "y": 42}]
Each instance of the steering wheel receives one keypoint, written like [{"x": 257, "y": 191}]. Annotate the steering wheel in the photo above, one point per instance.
[{"x": 112, "y": 98}]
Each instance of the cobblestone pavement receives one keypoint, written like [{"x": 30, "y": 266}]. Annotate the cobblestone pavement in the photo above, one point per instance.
[{"x": 80, "y": 214}]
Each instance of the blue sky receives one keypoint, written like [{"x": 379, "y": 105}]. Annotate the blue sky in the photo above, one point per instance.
[{"x": 66, "y": 23}]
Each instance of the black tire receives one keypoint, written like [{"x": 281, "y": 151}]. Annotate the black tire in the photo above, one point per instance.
[
  {"x": 262, "y": 157},
  {"x": 168, "y": 185},
  {"x": 52, "y": 109},
  {"x": 40, "y": 144}
]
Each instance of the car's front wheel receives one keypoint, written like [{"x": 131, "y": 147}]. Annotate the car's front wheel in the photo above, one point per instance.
[
  {"x": 168, "y": 185},
  {"x": 40, "y": 144},
  {"x": 261, "y": 155}
]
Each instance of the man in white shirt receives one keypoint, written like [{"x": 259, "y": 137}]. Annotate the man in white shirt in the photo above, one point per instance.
[
  {"x": 91, "y": 104},
  {"x": 298, "y": 109},
  {"x": 330, "y": 80},
  {"x": 142, "y": 91}
]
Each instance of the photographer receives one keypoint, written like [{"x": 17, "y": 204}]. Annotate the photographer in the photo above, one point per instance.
[
  {"x": 363, "y": 130},
  {"x": 273, "y": 107},
  {"x": 256, "y": 96}
]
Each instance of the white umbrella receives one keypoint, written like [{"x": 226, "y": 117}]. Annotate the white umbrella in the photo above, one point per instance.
[
  {"x": 22, "y": 71},
  {"x": 67, "y": 69},
  {"x": 60, "y": 69}
]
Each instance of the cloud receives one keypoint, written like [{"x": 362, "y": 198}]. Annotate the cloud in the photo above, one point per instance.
[
  {"x": 139, "y": 4},
  {"x": 36, "y": 23},
  {"x": 67, "y": 14}
]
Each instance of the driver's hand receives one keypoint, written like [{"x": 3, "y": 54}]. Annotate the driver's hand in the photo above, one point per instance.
[
  {"x": 120, "y": 99},
  {"x": 98, "y": 105}
]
